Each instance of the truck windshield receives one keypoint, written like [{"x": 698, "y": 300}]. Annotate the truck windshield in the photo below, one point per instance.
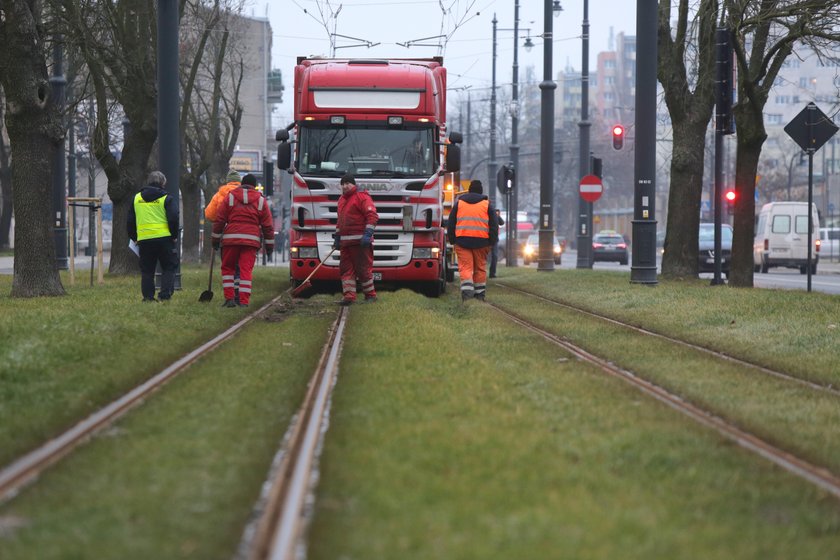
[{"x": 333, "y": 152}]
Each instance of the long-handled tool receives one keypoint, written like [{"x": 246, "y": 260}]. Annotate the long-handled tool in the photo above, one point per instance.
[
  {"x": 207, "y": 294},
  {"x": 306, "y": 284}
]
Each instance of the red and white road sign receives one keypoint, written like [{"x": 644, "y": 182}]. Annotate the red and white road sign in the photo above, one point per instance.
[{"x": 591, "y": 188}]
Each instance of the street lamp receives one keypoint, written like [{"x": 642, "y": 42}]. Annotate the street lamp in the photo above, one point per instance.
[{"x": 547, "y": 87}]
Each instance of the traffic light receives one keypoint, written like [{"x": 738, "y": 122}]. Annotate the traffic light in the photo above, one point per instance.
[
  {"x": 506, "y": 178},
  {"x": 618, "y": 137},
  {"x": 730, "y": 195}
]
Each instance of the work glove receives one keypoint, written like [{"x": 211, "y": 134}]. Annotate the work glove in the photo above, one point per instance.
[
  {"x": 216, "y": 244},
  {"x": 367, "y": 237},
  {"x": 336, "y": 242}
]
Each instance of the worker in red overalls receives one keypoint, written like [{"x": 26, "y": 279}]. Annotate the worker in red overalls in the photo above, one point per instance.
[
  {"x": 240, "y": 221},
  {"x": 357, "y": 219}
]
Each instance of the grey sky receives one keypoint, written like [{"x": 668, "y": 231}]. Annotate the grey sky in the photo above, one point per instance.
[{"x": 468, "y": 53}]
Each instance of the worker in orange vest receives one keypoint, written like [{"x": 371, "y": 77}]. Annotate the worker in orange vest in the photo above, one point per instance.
[
  {"x": 211, "y": 213},
  {"x": 472, "y": 228}
]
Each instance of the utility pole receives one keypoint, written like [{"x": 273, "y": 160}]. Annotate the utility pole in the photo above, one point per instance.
[
  {"x": 58, "y": 84},
  {"x": 512, "y": 242},
  {"x": 643, "y": 267},
  {"x": 547, "y": 87},
  {"x": 169, "y": 141},
  {"x": 584, "y": 234},
  {"x": 492, "y": 165}
]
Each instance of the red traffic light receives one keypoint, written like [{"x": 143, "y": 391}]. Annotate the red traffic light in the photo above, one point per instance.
[
  {"x": 730, "y": 196},
  {"x": 618, "y": 136}
]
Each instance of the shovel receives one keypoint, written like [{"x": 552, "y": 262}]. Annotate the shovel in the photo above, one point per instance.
[
  {"x": 207, "y": 295},
  {"x": 306, "y": 284}
]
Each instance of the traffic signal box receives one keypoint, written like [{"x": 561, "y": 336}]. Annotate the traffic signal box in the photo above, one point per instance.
[
  {"x": 506, "y": 179},
  {"x": 618, "y": 136}
]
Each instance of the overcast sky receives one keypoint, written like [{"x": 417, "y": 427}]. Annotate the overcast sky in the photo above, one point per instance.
[{"x": 468, "y": 51}]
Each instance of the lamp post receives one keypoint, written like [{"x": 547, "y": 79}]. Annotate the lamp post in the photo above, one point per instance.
[
  {"x": 547, "y": 87},
  {"x": 58, "y": 84},
  {"x": 584, "y": 234},
  {"x": 491, "y": 166}
]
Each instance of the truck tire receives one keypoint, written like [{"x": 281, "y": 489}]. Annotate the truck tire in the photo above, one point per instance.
[{"x": 764, "y": 267}]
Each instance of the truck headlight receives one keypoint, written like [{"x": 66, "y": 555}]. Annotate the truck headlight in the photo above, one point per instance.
[
  {"x": 308, "y": 252},
  {"x": 421, "y": 253}
]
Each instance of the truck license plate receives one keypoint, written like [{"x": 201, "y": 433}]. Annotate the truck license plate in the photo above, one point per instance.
[{"x": 377, "y": 276}]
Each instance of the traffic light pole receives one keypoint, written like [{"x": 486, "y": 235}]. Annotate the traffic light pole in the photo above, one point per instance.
[{"x": 723, "y": 108}]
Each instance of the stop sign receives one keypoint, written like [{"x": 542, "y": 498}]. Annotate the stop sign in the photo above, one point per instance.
[{"x": 591, "y": 188}]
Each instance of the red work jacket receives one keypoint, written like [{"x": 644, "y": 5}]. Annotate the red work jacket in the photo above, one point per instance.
[
  {"x": 355, "y": 213},
  {"x": 242, "y": 218}
]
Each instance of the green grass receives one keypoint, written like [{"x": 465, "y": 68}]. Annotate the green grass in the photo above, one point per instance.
[
  {"x": 179, "y": 476},
  {"x": 456, "y": 434},
  {"x": 453, "y": 434},
  {"x": 787, "y": 330},
  {"x": 63, "y": 358}
]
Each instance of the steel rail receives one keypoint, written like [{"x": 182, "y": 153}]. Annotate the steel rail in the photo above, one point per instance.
[
  {"x": 781, "y": 375},
  {"x": 819, "y": 476},
  {"x": 278, "y": 527},
  {"x": 25, "y": 469}
]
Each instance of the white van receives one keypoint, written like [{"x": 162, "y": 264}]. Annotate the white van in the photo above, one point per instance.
[{"x": 781, "y": 237}]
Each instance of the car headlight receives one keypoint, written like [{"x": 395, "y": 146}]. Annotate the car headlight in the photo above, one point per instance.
[
  {"x": 557, "y": 249},
  {"x": 307, "y": 252},
  {"x": 421, "y": 253},
  {"x": 529, "y": 250}
]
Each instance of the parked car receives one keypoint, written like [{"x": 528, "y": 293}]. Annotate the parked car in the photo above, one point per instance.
[
  {"x": 830, "y": 243},
  {"x": 610, "y": 246},
  {"x": 531, "y": 249},
  {"x": 707, "y": 248}
]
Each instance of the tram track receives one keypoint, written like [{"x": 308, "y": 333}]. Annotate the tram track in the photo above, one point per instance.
[
  {"x": 278, "y": 522},
  {"x": 28, "y": 467},
  {"x": 820, "y": 387},
  {"x": 815, "y": 474}
]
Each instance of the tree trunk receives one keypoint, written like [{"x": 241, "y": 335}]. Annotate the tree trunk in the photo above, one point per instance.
[
  {"x": 6, "y": 199},
  {"x": 751, "y": 137},
  {"x": 191, "y": 214},
  {"x": 687, "y": 163},
  {"x": 34, "y": 132}
]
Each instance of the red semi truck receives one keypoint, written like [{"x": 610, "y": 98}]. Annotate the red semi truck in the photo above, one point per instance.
[{"x": 383, "y": 121}]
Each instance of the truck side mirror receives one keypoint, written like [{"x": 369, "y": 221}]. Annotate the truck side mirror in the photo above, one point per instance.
[
  {"x": 456, "y": 137},
  {"x": 282, "y": 135},
  {"x": 284, "y": 154},
  {"x": 453, "y": 158}
]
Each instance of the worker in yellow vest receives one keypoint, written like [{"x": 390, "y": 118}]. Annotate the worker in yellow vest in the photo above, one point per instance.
[
  {"x": 153, "y": 224},
  {"x": 472, "y": 228}
]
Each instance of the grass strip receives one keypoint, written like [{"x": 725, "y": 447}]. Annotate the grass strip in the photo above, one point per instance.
[
  {"x": 63, "y": 358},
  {"x": 791, "y": 416},
  {"x": 456, "y": 434},
  {"x": 177, "y": 477},
  {"x": 787, "y": 330}
]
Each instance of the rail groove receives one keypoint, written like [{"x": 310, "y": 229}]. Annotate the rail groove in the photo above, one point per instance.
[
  {"x": 277, "y": 530},
  {"x": 25, "y": 469},
  {"x": 826, "y": 388},
  {"x": 819, "y": 476}
]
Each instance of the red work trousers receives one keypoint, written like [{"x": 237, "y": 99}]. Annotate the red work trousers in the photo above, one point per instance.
[
  {"x": 356, "y": 262},
  {"x": 244, "y": 256}
]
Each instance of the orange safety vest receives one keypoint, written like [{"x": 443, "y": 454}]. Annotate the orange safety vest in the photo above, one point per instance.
[{"x": 473, "y": 220}]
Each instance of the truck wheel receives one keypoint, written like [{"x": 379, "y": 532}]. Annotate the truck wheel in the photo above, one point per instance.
[
  {"x": 764, "y": 267},
  {"x": 803, "y": 269}
]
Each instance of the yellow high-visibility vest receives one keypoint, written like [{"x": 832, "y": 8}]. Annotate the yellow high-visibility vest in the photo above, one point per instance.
[{"x": 151, "y": 218}]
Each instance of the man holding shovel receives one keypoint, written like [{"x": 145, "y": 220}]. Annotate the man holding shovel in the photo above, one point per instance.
[{"x": 357, "y": 219}]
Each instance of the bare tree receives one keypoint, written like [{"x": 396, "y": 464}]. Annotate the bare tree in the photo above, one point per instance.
[
  {"x": 686, "y": 72},
  {"x": 34, "y": 128},
  {"x": 117, "y": 42},
  {"x": 766, "y": 34},
  {"x": 211, "y": 114}
]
